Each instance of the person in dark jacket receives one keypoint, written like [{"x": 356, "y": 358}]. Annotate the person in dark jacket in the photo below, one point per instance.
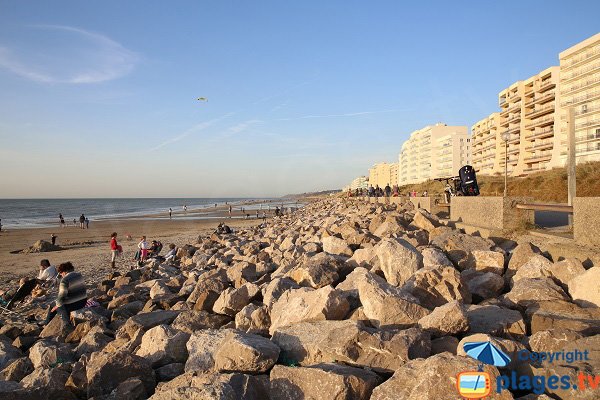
[{"x": 71, "y": 294}]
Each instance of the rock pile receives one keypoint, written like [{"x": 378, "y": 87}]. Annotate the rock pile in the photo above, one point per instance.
[
  {"x": 41, "y": 246},
  {"x": 340, "y": 300}
]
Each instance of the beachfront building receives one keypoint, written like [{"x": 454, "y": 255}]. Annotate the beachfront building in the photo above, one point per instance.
[
  {"x": 436, "y": 151},
  {"x": 580, "y": 89},
  {"x": 486, "y": 145},
  {"x": 362, "y": 182},
  {"x": 383, "y": 174}
]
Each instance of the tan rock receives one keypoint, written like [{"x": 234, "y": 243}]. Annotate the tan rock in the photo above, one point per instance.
[
  {"x": 448, "y": 319},
  {"x": 435, "y": 258},
  {"x": 565, "y": 270},
  {"x": 317, "y": 271},
  {"x": 425, "y": 220},
  {"x": 246, "y": 353},
  {"x": 482, "y": 285},
  {"x": 336, "y": 246},
  {"x": 552, "y": 339},
  {"x": 584, "y": 288},
  {"x": 486, "y": 261},
  {"x": 398, "y": 260},
  {"x": 519, "y": 256},
  {"x": 232, "y": 300},
  {"x": 334, "y": 382},
  {"x": 495, "y": 320},
  {"x": 537, "y": 266},
  {"x": 436, "y": 287},
  {"x": 527, "y": 291},
  {"x": 164, "y": 345}
]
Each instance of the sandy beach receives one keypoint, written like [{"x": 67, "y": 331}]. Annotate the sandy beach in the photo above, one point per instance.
[{"x": 89, "y": 250}]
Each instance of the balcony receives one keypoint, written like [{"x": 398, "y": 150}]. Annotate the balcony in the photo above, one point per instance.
[
  {"x": 514, "y": 150},
  {"x": 541, "y": 145},
  {"x": 538, "y": 167},
  {"x": 514, "y": 139},
  {"x": 587, "y": 138},
  {"x": 586, "y": 110},
  {"x": 514, "y": 118},
  {"x": 540, "y": 111},
  {"x": 541, "y": 133},
  {"x": 539, "y": 157},
  {"x": 546, "y": 84},
  {"x": 581, "y": 85},
  {"x": 502, "y": 101},
  {"x": 581, "y": 72},
  {"x": 587, "y": 124},
  {"x": 541, "y": 99},
  {"x": 541, "y": 121},
  {"x": 593, "y": 53},
  {"x": 582, "y": 98}
]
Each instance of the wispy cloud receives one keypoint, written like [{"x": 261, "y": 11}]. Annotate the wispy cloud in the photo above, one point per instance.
[
  {"x": 354, "y": 114},
  {"x": 110, "y": 60},
  {"x": 194, "y": 129},
  {"x": 242, "y": 126}
]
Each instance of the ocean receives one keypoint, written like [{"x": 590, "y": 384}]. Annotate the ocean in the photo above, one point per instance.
[{"x": 29, "y": 213}]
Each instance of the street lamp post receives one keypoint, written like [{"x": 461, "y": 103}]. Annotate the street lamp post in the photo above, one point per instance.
[{"x": 505, "y": 137}]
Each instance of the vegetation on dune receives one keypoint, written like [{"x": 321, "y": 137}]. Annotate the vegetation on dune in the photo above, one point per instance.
[{"x": 547, "y": 186}]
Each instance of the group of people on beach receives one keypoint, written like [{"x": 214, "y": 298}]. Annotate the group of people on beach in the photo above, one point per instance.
[
  {"x": 84, "y": 222},
  {"x": 387, "y": 191},
  {"x": 144, "y": 252}
]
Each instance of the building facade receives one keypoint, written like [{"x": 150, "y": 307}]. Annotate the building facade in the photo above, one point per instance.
[
  {"x": 436, "y": 151},
  {"x": 580, "y": 90},
  {"x": 383, "y": 174},
  {"x": 362, "y": 182},
  {"x": 486, "y": 145}
]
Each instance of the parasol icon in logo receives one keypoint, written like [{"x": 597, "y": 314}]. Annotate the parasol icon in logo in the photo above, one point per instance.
[{"x": 477, "y": 384}]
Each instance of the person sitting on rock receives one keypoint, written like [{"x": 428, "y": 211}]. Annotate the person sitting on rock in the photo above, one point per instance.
[
  {"x": 170, "y": 256},
  {"x": 48, "y": 272},
  {"x": 71, "y": 294}
]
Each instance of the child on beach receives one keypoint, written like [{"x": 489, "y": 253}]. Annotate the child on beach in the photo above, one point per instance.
[
  {"x": 53, "y": 239},
  {"x": 115, "y": 249},
  {"x": 143, "y": 248}
]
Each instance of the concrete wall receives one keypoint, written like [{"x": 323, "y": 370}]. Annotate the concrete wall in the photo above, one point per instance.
[
  {"x": 422, "y": 202},
  {"x": 494, "y": 213},
  {"x": 586, "y": 220}
]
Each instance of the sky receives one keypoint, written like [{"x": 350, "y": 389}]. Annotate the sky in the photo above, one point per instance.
[{"x": 99, "y": 98}]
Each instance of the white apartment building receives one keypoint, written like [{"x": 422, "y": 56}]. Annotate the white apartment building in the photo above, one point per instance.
[{"x": 436, "y": 151}]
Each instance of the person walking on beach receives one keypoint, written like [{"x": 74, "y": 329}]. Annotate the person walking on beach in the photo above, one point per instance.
[
  {"x": 185, "y": 208},
  {"x": 115, "y": 249},
  {"x": 61, "y": 220},
  {"x": 256, "y": 214},
  {"x": 388, "y": 190},
  {"x": 143, "y": 248},
  {"x": 74, "y": 222},
  {"x": 170, "y": 212},
  {"x": 229, "y": 211},
  {"x": 0, "y": 224},
  {"x": 87, "y": 223},
  {"x": 81, "y": 221}
]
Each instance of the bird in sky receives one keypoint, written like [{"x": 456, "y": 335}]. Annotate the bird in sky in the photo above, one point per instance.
[{"x": 202, "y": 99}]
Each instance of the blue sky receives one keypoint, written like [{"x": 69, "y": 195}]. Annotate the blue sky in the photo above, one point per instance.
[{"x": 98, "y": 98}]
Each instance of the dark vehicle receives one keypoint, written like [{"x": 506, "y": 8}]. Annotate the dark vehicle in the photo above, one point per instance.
[{"x": 468, "y": 181}]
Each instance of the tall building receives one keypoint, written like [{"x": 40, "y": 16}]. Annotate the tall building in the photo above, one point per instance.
[
  {"x": 362, "y": 182},
  {"x": 486, "y": 145},
  {"x": 436, "y": 151},
  {"x": 580, "y": 89},
  {"x": 383, "y": 174}
]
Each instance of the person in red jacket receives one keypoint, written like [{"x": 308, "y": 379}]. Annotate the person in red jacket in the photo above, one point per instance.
[{"x": 115, "y": 249}]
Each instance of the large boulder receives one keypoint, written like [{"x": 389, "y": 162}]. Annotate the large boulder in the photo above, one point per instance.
[
  {"x": 425, "y": 220},
  {"x": 486, "y": 261},
  {"x": 565, "y": 270},
  {"x": 105, "y": 371},
  {"x": 552, "y": 340},
  {"x": 495, "y": 320},
  {"x": 304, "y": 304},
  {"x": 229, "y": 350},
  {"x": 317, "y": 271},
  {"x": 334, "y": 382},
  {"x": 311, "y": 343},
  {"x": 532, "y": 290},
  {"x": 482, "y": 285},
  {"x": 398, "y": 260},
  {"x": 458, "y": 246},
  {"x": 584, "y": 288},
  {"x": 387, "y": 305},
  {"x": 8, "y": 352},
  {"x": 17, "y": 369},
  {"x": 436, "y": 287},
  {"x": 435, "y": 258},
  {"x": 232, "y": 300},
  {"x": 554, "y": 314},
  {"x": 145, "y": 321},
  {"x": 519, "y": 256},
  {"x": 537, "y": 266},
  {"x": 448, "y": 319},
  {"x": 190, "y": 321},
  {"x": 253, "y": 319},
  {"x": 164, "y": 345},
  {"x": 273, "y": 291},
  {"x": 432, "y": 378},
  {"x": 51, "y": 381},
  {"x": 336, "y": 246},
  {"x": 48, "y": 354}
]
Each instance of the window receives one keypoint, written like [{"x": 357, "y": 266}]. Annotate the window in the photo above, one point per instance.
[{"x": 584, "y": 108}]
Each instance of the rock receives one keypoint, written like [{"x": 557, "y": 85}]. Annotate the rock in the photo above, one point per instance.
[
  {"x": 497, "y": 321},
  {"x": 228, "y": 350},
  {"x": 519, "y": 256},
  {"x": 41, "y": 246},
  {"x": 584, "y": 288},
  {"x": 435, "y": 258},
  {"x": 554, "y": 314},
  {"x": 537, "y": 266},
  {"x": 552, "y": 340},
  {"x": 23, "y": 343},
  {"x": 77, "y": 381},
  {"x": 223, "y": 386},
  {"x": 169, "y": 371},
  {"x": 304, "y": 304},
  {"x": 448, "y": 319},
  {"x": 130, "y": 389},
  {"x": 445, "y": 343},
  {"x": 164, "y": 345},
  {"x": 363, "y": 258},
  {"x": 51, "y": 381},
  {"x": 527, "y": 291},
  {"x": 8, "y": 352},
  {"x": 159, "y": 288},
  {"x": 334, "y": 382},
  {"x": 275, "y": 289},
  {"x": 105, "y": 371},
  {"x": 242, "y": 272},
  {"x": 47, "y": 354},
  {"x": 486, "y": 261},
  {"x": 145, "y": 321},
  {"x": 253, "y": 319},
  {"x": 388, "y": 228},
  {"x": 190, "y": 321},
  {"x": 387, "y": 305},
  {"x": 317, "y": 271},
  {"x": 432, "y": 378},
  {"x": 310, "y": 343},
  {"x": 436, "y": 287},
  {"x": 231, "y": 301},
  {"x": 11, "y": 331},
  {"x": 482, "y": 285},
  {"x": 458, "y": 246},
  {"x": 336, "y": 246},
  {"x": 17, "y": 369},
  {"x": 398, "y": 260},
  {"x": 56, "y": 328},
  {"x": 245, "y": 353},
  {"x": 565, "y": 270},
  {"x": 425, "y": 220}
]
